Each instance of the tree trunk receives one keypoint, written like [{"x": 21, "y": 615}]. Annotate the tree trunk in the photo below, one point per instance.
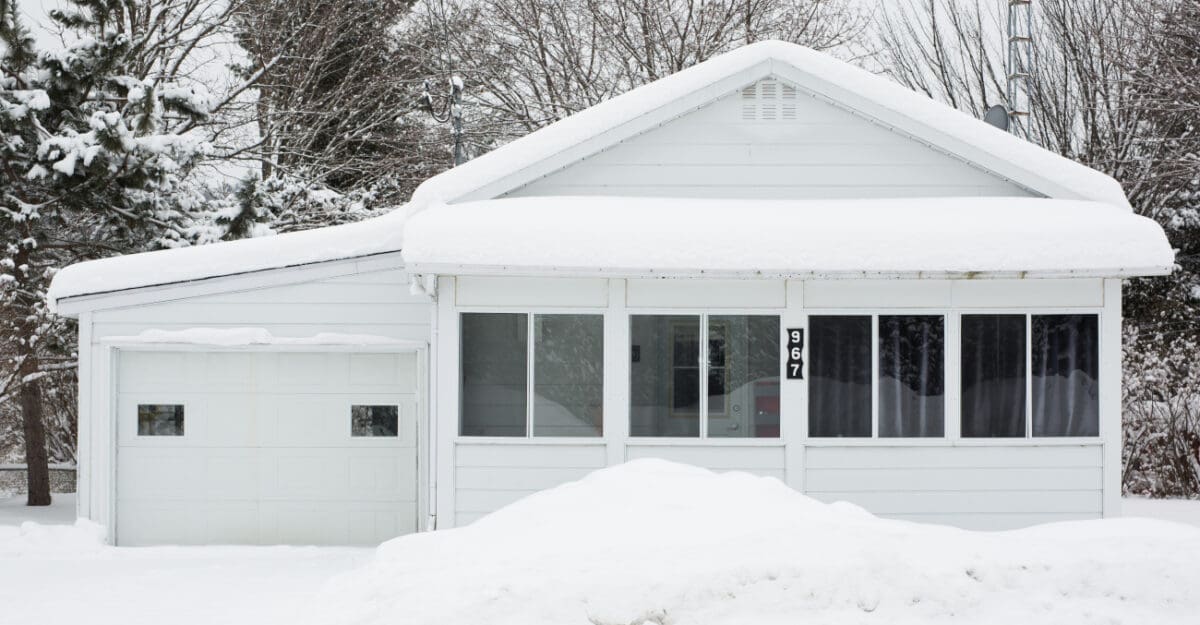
[{"x": 37, "y": 466}]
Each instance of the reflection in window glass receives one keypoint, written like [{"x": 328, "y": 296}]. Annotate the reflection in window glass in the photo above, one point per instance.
[
  {"x": 911, "y": 376},
  {"x": 839, "y": 387},
  {"x": 993, "y": 376},
  {"x": 1065, "y": 372},
  {"x": 568, "y": 372},
  {"x": 160, "y": 420},
  {"x": 494, "y": 374},
  {"x": 374, "y": 420},
  {"x": 743, "y": 376},
  {"x": 664, "y": 389}
]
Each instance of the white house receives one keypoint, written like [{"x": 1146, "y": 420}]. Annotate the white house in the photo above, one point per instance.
[{"x": 771, "y": 262}]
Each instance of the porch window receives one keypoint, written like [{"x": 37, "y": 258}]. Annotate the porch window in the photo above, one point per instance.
[
  {"x": 704, "y": 376},
  {"x": 839, "y": 387},
  {"x": 539, "y": 374},
  {"x": 1066, "y": 373},
  {"x": 876, "y": 376},
  {"x": 1030, "y": 373},
  {"x": 993, "y": 376}
]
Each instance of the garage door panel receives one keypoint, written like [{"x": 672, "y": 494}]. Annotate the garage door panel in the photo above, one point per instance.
[
  {"x": 370, "y": 371},
  {"x": 191, "y": 474},
  {"x": 161, "y": 371},
  {"x": 144, "y": 474},
  {"x": 380, "y": 475},
  {"x": 225, "y": 421},
  {"x": 267, "y": 454},
  {"x": 303, "y": 523}
]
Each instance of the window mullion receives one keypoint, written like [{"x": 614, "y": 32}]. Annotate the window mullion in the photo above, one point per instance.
[
  {"x": 703, "y": 372},
  {"x": 1028, "y": 376},
  {"x": 874, "y": 376},
  {"x": 529, "y": 373}
]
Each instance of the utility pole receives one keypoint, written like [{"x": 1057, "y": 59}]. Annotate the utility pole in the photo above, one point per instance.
[
  {"x": 1019, "y": 65},
  {"x": 452, "y": 112}
]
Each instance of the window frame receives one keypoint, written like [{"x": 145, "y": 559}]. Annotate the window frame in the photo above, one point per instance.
[
  {"x": 704, "y": 313},
  {"x": 371, "y": 403},
  {"x": 953, "y": 383},
  {"x": 187, "y": 431},
  {"x": 949, "y": 377},
  {"x": 1029, "y": 313},
  {"x": 530, "y": 380}
]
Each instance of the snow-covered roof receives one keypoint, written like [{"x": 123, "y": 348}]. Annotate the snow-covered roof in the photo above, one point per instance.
[
  {"x": 870, "y": 95},
  {"x": 591, "y": 130},
  {"x": 365, "y": 238},
  {"x": 911, "y": 237}
]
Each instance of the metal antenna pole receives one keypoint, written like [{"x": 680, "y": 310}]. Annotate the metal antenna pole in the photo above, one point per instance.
[{"x": 1020, "y": 65}]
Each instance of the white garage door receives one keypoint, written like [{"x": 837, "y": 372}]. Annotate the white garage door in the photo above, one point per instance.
[{"x": 265, "y": 448}]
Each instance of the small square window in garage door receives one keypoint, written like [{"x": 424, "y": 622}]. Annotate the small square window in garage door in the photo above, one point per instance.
[
  {"x": 160, "y": 419},
  {"x": 374, "y": 420}
]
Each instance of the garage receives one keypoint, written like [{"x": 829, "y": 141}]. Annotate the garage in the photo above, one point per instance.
[{"x": 266, "y": 447}]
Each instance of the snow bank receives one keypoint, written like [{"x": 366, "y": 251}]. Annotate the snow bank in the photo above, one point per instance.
[
  {"x": 827, "y": 76},
  {"x": 774, "y": 238},
  {"x": 30, "y": 538},
  {"x": 656, "y": 542},
  {"x": 244, "y": 337},
  {"x": 365, "y": 238}
]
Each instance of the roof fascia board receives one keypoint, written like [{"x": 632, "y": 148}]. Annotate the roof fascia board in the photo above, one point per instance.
[
  {"x": 231, "y": 283},
  {"x": 613, "y": 136},
  {"x": 877, "y": 113},
  {"x": 444, "y": 269}
]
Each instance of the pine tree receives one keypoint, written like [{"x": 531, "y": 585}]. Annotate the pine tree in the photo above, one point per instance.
[{"x": 95, "y": 150}]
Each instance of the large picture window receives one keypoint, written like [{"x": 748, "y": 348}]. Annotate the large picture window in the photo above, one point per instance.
[
  {"x": 1025, "y": 374},
  {"x": 539, "y": 374},
  {"x": 704, "y": 375}
]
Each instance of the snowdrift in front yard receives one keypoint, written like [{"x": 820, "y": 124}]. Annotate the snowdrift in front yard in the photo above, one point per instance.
[{"x": 657, "y": 542}]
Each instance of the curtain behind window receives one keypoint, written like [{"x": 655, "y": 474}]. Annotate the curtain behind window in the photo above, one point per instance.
[
  {"x": 911, "y": 376},
  {"x": 993, "y": 375},
  {"x": 839, "y": 388},
  {"x": 1065, "y": 372}
]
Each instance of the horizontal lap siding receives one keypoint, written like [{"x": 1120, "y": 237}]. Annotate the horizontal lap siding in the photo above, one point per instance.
[
  {"x": 975, "y": 487},
  {"x": 759, "y": 460},
  {"x": 823, "y": 152},
  {"x": 489, "y": 476},
  {"x": 377, "y": 303}
]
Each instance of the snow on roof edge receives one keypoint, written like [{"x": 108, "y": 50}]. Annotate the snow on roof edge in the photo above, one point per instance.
[
  {"x": 116, "y": 274},
  {"x": 955, "y": 237},
  {"x": 544, "y": 143}
]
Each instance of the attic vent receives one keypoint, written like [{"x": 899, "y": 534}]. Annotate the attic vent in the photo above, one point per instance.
[{"x": 769, "y": 100}]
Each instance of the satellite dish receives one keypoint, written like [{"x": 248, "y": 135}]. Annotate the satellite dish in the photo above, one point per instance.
[{"x": 997, "y": 116}]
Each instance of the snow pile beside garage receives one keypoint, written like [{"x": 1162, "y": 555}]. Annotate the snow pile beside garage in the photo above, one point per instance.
[
  {"x": 656, "y": 542},
  {"x": 32, "y": 538}
]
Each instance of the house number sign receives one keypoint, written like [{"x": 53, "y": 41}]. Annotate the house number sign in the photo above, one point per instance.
[{"x": 795, "y": 347}]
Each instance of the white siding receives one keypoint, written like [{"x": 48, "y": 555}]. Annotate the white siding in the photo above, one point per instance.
[
  {"x": 489, "y": 476},
  {"x": 762, "y": 460},
  {"x": 978, "y": 487},
  {"x": 372, "y": 303},
  {"x": 818, "y": 150}
]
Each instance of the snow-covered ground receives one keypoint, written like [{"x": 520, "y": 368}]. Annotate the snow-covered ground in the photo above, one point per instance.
[
  {"x": 647, "y": 540},
  {"x": 53, "y": 572}
]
